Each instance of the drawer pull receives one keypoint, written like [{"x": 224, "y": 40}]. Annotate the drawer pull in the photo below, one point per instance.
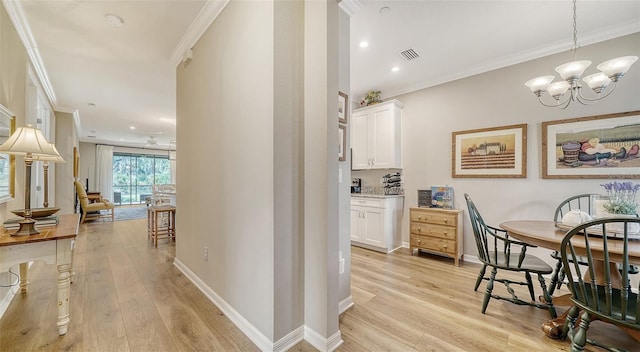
[
  {"x": 419, "y": 241},
  {"x": 419, "y": 229},
  {"x": 446, "y": 221},
  {"x": 419, "y": 218}
]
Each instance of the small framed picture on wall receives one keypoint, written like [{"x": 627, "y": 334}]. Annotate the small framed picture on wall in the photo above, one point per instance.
[{"x": 343, "y": 108}]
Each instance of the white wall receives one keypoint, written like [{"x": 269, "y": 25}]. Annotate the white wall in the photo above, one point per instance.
[
  {"x": 225, "y": 174},
  {"x": 87, "y": 165},
  {"x": 499, "y": 98}
]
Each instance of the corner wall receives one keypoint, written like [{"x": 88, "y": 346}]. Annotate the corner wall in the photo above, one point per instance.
[{"x": 500, "y": 98}]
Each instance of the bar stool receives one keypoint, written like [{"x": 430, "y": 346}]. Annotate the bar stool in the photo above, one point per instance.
[{"x": 156, "y": 226}]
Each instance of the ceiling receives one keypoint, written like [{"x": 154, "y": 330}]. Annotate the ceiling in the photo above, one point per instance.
[{"x": 116, "y": 77}]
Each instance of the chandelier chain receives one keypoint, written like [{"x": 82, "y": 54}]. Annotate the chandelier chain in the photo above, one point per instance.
[{"x": 575, "y": 29}]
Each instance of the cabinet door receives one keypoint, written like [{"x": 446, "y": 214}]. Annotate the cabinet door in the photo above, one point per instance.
[
  {"x": 360, "y": 158},
  {"x": 382, "y": 145},
  {"x": 356, "y": 224},
  {"x": 374, "y": 227}
]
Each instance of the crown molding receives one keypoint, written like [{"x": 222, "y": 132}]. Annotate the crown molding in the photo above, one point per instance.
[
  {"x": 16, "y": 14},
  {"x": 205, "y": 18},
  {"x": 350, "y": 7}
]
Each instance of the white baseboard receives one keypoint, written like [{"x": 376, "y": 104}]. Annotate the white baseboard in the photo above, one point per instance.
[
  {"x": 6, "y": 300},
  {"x": 287, "y": 342},
  {"x": 257, "y": 337},
  {"x": 345, "y": 304},
  {"x": 320, "y": 343},
  {"x": 263, "y": 342},
  {"x": 11, "y": 291},
  {"x": 405, "y": 244}
]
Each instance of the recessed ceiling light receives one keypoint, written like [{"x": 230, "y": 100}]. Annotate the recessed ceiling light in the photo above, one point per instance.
[
  {"x": 395, "y": 69},
  {"x": 132, "y": 127},
  {"x": 364, "y": 44},
  {"x": 121, "y": 139},
  {"x": 113, "y": 20},
  {"x": 384, "y": 10}
]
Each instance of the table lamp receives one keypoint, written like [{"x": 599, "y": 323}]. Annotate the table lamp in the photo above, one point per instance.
[
  {"x": 28, "y": 142},
  {"x": 46, "y": 159}
]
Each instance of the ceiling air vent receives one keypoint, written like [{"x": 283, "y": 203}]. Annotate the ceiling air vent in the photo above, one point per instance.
[{"x": 409, "y": 55}]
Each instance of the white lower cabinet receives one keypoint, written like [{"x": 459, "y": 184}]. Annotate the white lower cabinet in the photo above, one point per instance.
[{"x": 375, "y": 222}]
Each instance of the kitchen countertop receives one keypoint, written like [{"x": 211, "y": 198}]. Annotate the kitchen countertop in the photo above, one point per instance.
[{"x": 370, "y": 195}]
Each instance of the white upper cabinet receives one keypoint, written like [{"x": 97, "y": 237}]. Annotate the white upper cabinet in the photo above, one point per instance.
[{"x": 375, "y": 136}]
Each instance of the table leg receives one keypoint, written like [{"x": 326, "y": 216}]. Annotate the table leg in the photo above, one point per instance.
[
  {"x": 24, "y": 279},
  {"x": 64, "y": 283}
]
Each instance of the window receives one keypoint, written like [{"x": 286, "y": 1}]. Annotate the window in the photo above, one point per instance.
[{"x": 134, "y": 174}]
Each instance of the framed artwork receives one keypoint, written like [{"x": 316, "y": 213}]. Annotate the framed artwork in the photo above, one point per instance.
[
  {"x": 342, "y": 142},
  {"x": 490, "y": 152},
  {"x": 604, "y": 146},
  {"x": 343, "y": 108},
  {"x": 7, "y": 162}
]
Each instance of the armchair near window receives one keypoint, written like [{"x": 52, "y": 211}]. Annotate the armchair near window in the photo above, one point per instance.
[{"x": 93, "y": 210}]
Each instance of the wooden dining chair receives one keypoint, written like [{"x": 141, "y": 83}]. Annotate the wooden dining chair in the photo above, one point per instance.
[
  {"x": 599, "y": 290},
  {"x": 578, "y": 202},
  {"x": 498, "y": 251}
]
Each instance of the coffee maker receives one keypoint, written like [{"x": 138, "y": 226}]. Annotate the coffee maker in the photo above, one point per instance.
[{"x": 356, "y": 185}]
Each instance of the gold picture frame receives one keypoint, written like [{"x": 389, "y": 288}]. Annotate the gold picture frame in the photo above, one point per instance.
[
  {"x": 496, "y": 152},
  {"x": 7, "y": 162},
  {"x": 601, "y": 146},
  {"x": 76, "y": 162}
]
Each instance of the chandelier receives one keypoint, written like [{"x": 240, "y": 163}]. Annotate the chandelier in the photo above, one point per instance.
[{"x": 570, "y": 89}]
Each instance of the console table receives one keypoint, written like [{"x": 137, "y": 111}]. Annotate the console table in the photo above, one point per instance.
[{"x": 53, "y": 245}]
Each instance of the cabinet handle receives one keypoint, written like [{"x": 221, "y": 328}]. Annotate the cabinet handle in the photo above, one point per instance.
[
  {"x": 419, "y": 241},
  {"x": 373, "y": 161},
  {"x": 446, "y": 221},
  {"x": 419, "y": 229},
  {"x": 419, "y": 218}
]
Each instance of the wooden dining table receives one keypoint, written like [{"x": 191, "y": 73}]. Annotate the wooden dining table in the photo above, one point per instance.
[{"x": 547, "y": 235}]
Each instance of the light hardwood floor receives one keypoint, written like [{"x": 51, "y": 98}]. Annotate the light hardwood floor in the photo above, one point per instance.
[{"x": 128, "y": 296}]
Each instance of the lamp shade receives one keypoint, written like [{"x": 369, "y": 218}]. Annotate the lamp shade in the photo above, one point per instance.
[
  {"x": 27, "y": 140},
  {"x": 597, "y": 81},
  {"x": 573, "y": 69},
  {"x": 557, "y": 89},
  {"x": 50, "y": 158},
  {"x": 539, "y": 83},
  {"x": 617, "y": 66}
]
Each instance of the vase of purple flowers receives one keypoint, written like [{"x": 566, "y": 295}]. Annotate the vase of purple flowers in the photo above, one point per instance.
[{"x": 622, "y": 202}]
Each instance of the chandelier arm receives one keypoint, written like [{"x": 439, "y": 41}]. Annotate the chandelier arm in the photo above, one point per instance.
[
  {"x": 584, "y": 99},
  {"x": 561, "y": 105}
]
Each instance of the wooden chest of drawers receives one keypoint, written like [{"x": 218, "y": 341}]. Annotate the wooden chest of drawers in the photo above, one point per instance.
[{"x": 437, "y": 231}]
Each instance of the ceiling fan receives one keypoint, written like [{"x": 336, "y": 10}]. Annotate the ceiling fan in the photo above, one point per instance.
[{"x": 151, "y": 142}]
